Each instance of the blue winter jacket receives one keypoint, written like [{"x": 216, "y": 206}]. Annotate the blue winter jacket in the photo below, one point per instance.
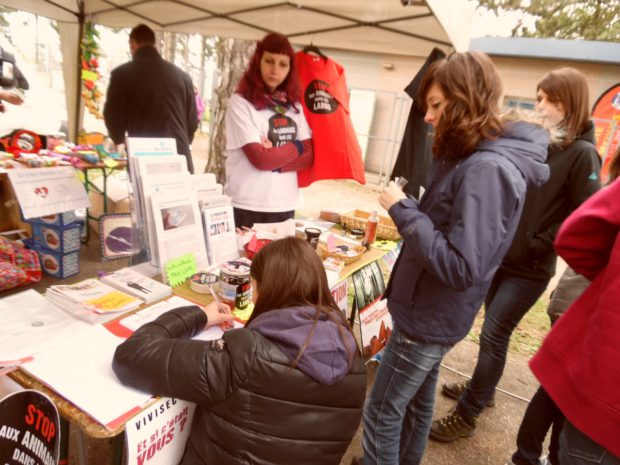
[{"x": 457, "y": 235}]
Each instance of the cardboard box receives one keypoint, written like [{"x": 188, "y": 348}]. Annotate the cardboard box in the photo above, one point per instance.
[
  {"x": 10, "y": 215},
  {"x": 96, "y": 209},
  {"x": 59, "y": 239},
  {"x": 56, "y": 264},
  {"x": 58, "y": 219}
]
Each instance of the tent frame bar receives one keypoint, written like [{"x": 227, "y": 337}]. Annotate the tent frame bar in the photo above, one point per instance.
[{"x": 229, "y": 16}]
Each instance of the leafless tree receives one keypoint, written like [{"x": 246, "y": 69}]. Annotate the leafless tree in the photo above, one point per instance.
[{"x": 233, "y": 56}]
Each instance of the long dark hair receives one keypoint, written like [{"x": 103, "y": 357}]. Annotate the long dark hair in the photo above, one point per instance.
[
  {"x": 289, "y": 273},
  {"x": 569, "y": 87},
  {"x": 472, "y": 86},
  {"x": 253, "y": 88}
]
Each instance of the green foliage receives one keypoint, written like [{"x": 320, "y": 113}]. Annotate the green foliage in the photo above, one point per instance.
[
  {"x": 564, "y": 19},
  {"x": 4, "y": 22}
]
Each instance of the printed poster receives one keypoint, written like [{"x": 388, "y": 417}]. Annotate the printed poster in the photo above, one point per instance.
[
  {"x": 376, "y": 327},
  {"x": 29, "y": 429},
  {"x": 158, "y": 435},
  {"x": 340, "y": 292},
  {"x": 375, "y": 320},
  {"x": 47, "y": 191}
]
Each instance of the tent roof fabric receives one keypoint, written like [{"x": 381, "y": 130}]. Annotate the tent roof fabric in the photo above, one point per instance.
[{"x": 403, "y": 27}]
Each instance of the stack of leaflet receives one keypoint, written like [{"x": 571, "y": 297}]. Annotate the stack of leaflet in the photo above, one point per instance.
[
  {"x": 91, "y": 300},
  {"x": 138, "y": 285},
  {"x": 219, "y": 227}
]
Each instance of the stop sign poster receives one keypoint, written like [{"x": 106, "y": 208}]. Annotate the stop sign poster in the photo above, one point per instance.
[
  {"x": 29, "y": 429},
  {"x": 606, "y": 115}
]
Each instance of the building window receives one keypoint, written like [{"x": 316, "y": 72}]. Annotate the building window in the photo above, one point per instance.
[{"x": 519, "y": 102}]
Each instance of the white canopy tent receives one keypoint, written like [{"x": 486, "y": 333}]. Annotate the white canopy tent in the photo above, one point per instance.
[{"x": 405, "y": 27}]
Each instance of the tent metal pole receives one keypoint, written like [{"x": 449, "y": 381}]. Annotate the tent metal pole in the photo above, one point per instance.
[{"x": 78, "y": 84}]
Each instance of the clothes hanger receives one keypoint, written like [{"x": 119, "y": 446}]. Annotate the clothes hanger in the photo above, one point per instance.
[{"x": 314, "y": 49}]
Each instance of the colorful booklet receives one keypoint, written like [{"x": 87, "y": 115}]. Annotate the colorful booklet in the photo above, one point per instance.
[
  {"x": 91, "y": 300},
  {"x": 138, "y": 285}
]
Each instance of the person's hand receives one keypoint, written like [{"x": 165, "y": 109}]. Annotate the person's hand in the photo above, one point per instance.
[
  {"x": 11, "y": 97},
  {"x": 218, "y": 314},
  {"x": 390, "y": 195},
  {"x": 266, "y": 143}
]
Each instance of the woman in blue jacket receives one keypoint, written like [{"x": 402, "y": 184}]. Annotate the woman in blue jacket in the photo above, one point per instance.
[
  {"x": 454, "y": 241},
  {"x": 523, "y": 276}
]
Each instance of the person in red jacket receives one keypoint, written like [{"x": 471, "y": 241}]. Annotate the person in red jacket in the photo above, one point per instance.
[{"x": 579, "y": 361}]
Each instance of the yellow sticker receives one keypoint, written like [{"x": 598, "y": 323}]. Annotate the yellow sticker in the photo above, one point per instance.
[
  {"x": 89, "y": 75},
  {"x": 110, "y": 162},
  {"x": 245, "y": 314},
  {"x": 181, "y": 268},
  {"x": 111, "y": 302}
]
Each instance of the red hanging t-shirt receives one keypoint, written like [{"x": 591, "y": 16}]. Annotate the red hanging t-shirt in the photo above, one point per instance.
[{"x": 337, "y": 153}]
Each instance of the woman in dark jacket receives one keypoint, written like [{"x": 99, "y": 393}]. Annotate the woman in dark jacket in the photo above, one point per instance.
[
  {"x": 574, "y": 166},
  {"x": 454, "y": 241},
  {"x": 287, "y": 388}
]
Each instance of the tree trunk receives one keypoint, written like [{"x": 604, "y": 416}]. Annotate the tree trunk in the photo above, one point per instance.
[
  {"x": 170, "y": 46},
  {"x": 233, "y": 56}
]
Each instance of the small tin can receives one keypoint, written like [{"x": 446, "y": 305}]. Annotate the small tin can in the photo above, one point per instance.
[{"x": 235, "y": 288}]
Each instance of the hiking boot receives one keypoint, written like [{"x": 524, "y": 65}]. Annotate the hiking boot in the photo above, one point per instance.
[
  {"x": 455, "y": 390},
  {"x": 452, "y": 427}
]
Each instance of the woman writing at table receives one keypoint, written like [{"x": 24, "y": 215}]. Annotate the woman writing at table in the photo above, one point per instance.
[
  {"x": 289, "y": 387},
  {"x": 267, "y": 137}
]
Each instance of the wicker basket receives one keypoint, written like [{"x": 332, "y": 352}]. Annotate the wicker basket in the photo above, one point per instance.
[
  {"x": 358, "y": 219},
  {"x": 341, "y": 256}
]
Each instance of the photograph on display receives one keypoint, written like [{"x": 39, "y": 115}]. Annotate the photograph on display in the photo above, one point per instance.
[
  {"x": 115, "y": 233},
  {"x": 369, "y": 285},
  {"x": 179, "y": 229},
  {"x": 219, "y": 228},
  {"x": 177, "y": 217},
  {"x": 375, "y": 321}
]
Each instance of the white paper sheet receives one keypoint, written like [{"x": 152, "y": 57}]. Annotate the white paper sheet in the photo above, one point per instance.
[
  {"x": 77, "y": 362},
  {"x": 135, "y": 321},
  {"x": 30, "y": 325},
  {"x": 79, "y": 368},
  {"x": 46, "y": 191},
  {"x": 179, "y": 228}
]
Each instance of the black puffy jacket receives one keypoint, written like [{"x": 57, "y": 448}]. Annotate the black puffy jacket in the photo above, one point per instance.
[
  {"x": 252, "y": 408},
  {"x": 574, "y": 176}
]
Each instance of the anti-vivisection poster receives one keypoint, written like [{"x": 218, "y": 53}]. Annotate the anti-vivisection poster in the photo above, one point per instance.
[
  {"x": 29, "y": 429},
  {"x": 157, "y": 436}
]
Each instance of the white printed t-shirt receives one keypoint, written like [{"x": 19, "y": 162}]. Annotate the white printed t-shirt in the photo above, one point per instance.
[{"x": 251, "y": 188}]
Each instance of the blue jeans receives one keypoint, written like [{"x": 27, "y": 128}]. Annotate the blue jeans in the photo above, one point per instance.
[
  {"x": 508, "y": 300},
  {"x": 578, "y": 449},
  {"x": 399, "y": 410}
]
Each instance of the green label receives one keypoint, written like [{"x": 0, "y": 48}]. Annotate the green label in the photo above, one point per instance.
[{"x": 179, "y": 269}]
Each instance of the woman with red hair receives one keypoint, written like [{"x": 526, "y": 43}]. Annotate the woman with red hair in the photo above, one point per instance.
[{"x": 267, "y": 137}]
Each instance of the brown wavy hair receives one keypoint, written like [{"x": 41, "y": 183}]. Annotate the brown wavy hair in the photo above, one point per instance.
[
  {"x": 569, "y": 87},
  {"x": 289, "y": 273},
  {"x": 614, "y": 167},
  {"x": 472, "y": 86}
]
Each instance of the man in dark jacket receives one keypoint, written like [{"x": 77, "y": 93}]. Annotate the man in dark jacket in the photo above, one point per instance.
[{"x": 150, "y": 97}]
